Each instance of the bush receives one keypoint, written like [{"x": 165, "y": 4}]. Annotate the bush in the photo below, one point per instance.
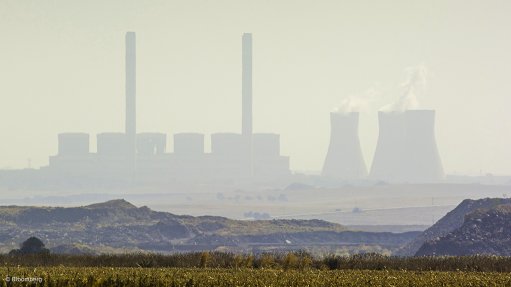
[{"x": 33, "y": 245}]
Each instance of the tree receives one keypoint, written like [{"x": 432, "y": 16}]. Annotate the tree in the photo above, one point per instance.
[{"x": 33, "y": 245}]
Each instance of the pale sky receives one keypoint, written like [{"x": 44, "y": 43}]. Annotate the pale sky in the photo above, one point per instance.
[{"x": 62, "y": 70}]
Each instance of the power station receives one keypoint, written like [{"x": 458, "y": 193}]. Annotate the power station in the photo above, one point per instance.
[
  {"x": 406, "y": 150},
  {"x": 143, "y": 156}
]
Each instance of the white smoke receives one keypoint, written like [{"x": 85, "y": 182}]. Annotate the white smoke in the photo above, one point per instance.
[
  {"x": 413, "y": 87},
  {"x": 359, "y": 103}
]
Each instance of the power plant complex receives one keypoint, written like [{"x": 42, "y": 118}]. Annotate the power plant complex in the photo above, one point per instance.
[
  {"x": 406, "y": 150},
  {"x": 143, "y": 156}
]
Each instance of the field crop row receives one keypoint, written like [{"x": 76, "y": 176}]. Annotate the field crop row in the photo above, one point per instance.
[
  {"x": 141, "y": 277},
  {"x": 286, "y": 261}
]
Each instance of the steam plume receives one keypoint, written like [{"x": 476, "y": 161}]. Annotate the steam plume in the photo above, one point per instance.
[
  {"x": 413, "y": 87},
  {"x": 357, "y": 103}
]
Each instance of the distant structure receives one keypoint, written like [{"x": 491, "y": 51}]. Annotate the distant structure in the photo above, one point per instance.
[
  {"x": 344, "y": 159},
  {"x": 142, "y": 158},
  {"x": 406, "y": 150},
  {"x": 246, "y": 102},
  {"x": 423, "y": 159},
  {"x": 246, "y": 85},
  {"x": 388, "y": 158},
  {"x": 131, "y": 99}
]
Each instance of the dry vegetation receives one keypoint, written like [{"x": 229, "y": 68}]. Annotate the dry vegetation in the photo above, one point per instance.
[
  {"x": 293, "y": 260},
  {"x": 227, "y": 269},
  {"x": 140, "y": 277}
]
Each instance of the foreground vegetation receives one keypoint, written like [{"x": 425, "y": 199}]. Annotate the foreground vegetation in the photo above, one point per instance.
[
  {"x": 227, "y": 269},
  {"x": 141, "y": 277},
  {"x": 277, "y": 261}
]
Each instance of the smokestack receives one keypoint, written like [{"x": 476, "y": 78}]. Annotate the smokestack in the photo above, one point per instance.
[
  {"x": 246, "y": 84},
  {"x": 246, "y": 100},
  {"x": 344, "y": 159},
  {"x": 406, "y": 150},
  {"x": 131, "y": 124}
]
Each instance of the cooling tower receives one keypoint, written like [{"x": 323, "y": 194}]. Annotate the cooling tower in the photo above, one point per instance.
[
  {"x": 406, "y": 150},
  {"x": 112, "y": 144},
  {"x": 388, "y": 161},
  {"x": 151, "y": 143},
  {"x": 72, "y": 144},
  {"x": 189, "y": 144},
  {"x": 344, "y": 159},
  {"x": 422, "y": 161}
]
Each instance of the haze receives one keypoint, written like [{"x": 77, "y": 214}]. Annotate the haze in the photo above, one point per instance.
[{"x": 62, "y": 69}]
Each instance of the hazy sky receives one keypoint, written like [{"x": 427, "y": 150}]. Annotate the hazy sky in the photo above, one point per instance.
[{"x": 62, "y": 69}]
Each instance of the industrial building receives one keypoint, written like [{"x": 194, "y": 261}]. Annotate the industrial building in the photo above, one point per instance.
[{"x": 143, "y": 156}]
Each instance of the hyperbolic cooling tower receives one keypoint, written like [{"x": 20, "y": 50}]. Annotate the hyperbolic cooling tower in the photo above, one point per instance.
[
  {"x": 406, "y": 150},
  {"x": 423, "y": 161},
  {"x": 388, "y": 157},
  {"x": 344, "y": 159}
]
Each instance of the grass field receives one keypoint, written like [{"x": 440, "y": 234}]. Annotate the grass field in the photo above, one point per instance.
[{"x": 107, "y": 276}]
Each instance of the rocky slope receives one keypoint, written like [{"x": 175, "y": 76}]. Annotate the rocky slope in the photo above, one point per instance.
[
  {"x": 117, "y": 225},
  {"x": 486, "y": 231},
  {"x": 450, "y": 222}
]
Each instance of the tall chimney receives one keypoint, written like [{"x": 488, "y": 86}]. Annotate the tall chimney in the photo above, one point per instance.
[
  {"x": 246, "y": 100},
  {"x": 246, "y": 84},
  {"x": 344, "y": 159},
  {"x": 131, "y": 122}
]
